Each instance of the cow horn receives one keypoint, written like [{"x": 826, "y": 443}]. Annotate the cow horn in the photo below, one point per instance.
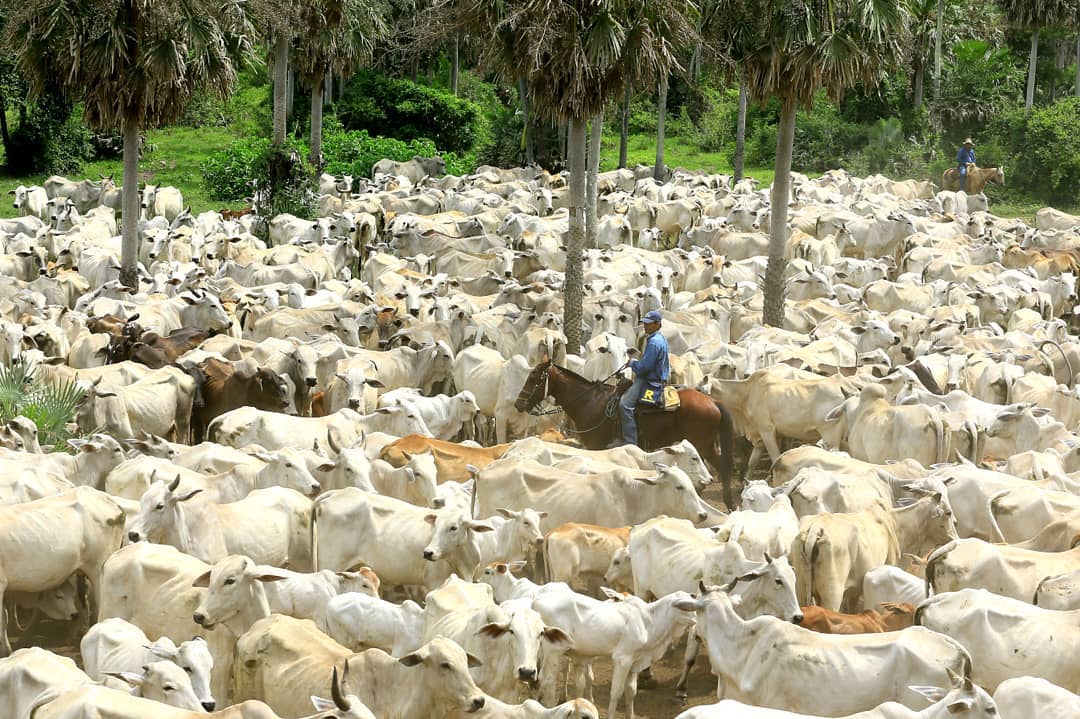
[
  {"x": 331, "y": 443},
  {"x": 340, "y": 701},
  {"x": 175, "y": 483}
]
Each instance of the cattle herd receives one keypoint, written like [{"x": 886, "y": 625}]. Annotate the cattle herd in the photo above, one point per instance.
[{"x": 304, "y": 486}]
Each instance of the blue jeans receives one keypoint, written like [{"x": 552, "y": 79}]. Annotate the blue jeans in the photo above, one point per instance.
[
  {"x": 626, "y": 407},
  {"x": 963, "y": 177}
]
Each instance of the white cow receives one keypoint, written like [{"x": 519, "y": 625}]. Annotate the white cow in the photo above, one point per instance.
[
  {"x": 359, "y": 621},
  {"x": 115, "y": 646},
  {"x": 1024, "y": 697},
  {"x": 271, "y": 430},
  {"x": 31, "y": 673},
  {"x": 772, "y": 663},
  {"x": 1009, "y": 637},
  {"x": 404, "y": 544},
  {"x": 507, "y": 639},
  {"x": 239, "y": 592},
  {"x": 272, "y": 526},
  {"x": 891, "y": 584},
  {"x": 635, "y": 634},
  {"x": 963, "y": 700},
  {"x": 1002, "y": 569},
  {"x": 445, "y": 417},
  {"x": 760, "y": 533},
  {"x": 608, "y": 499},
  {"x": 1059, "y": 592},
  {"x": 44, "y": 542}
]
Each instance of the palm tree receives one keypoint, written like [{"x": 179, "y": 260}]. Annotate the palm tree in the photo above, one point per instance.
[
  {"x": 925, "y": 26},
  {"x": 790, "y": 50},
  {"x": 739, "y": 161},
  {"x": 132, "y": 65},
  {"x": 576, "y": 56},
  {"x": 1036, "y": 15},
  {"x": 659, "y": 167},
  {"x": 335, "y": 35}
]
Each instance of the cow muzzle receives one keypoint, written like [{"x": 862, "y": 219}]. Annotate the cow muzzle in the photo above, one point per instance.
[
  {"x": 429, "y": 555},
  {"x": 200, "y": 619},
  {"x": 311, "y": 381},
  {"x": 209, "y": 706},
  {"x": 476, "y": 704},
  {"x": 797, "y": 619},
  {"x": 526, "y": 674},
  {"x": 134, "y": 537}
]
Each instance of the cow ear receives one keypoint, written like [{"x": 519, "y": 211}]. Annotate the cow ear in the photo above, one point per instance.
[
  {"x": 932, "y": 694},
  {"x": 556, "y": 635},
  {"x": 188, "y": 495},
  {"x": 509, "y": 514},
  {"x": 611, "y": 594},
  {"x": 516, "y": 565},
  {"x": 473, "y": 661},
  {"x": 129, "y": 677},
  {"x": 411, "y": 660},
  {"x": 431, "y": 518},
  {"x": 203, "y": 580},
  {"x": 480, "y": 527},
  {"x": 648, "y": 480},
  {"x": 493, "y": 630}
]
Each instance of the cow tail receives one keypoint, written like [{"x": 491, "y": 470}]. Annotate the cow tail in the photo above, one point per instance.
[
  {"x": 1038, "y": 588},
  {"x": 931, "y": 564},
  {"x": 727, "y": 445},
  {"x": 810, "y": 553},
  {"x": 545, "y": 576},
  {"x": 997, "y": 535},
  {"x": 314, "y": 529},
  {"x": 939, "y": 434},
  {"x": 973, "y": 434}
]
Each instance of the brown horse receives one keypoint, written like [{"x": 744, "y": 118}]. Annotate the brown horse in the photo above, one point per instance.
[
  {"x": 593, "y": 406},
  {"x": 977, "y": 178}
]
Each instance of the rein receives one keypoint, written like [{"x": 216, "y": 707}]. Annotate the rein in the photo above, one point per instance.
[{"x": 609, "y": 408}]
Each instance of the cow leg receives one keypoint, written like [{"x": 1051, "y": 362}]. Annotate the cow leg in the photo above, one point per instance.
[
  {"x": 771, "y": 443},
  {"x": 689, "y": 657},
  {"x": 5, "y": 646},
  {"x": 755, "y": 457},
  {"x": 620, "y": 674},
  {"x": 629, "y": 693},
  {"x": 550, "y": 673}
]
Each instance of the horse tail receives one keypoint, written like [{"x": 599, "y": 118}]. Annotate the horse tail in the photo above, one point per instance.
[{"x": 727, "y": 446}]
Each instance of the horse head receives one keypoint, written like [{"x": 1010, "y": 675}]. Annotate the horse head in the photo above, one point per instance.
[{"x": 535, "y": 388}]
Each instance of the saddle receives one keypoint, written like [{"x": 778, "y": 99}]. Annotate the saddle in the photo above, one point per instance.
[{"x": 654, "y": 399}]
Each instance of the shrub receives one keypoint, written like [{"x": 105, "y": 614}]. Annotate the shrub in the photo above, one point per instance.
[
  {"x": 1040, "y": 150},
  {"x": 822, "y": 139},
  {"x": 228, "y": 173},
  {"x": 54, "y": 139},
  {"x": 406, "y": 110},
  {"x": 50, "y": 405}
]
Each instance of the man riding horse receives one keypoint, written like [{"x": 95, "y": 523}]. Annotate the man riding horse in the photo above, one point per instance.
[
  {"x": 650, "y": 372},
  {"x": 965, "y": 157}
]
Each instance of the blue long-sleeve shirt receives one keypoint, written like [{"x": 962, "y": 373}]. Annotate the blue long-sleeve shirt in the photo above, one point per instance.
[
  {"x": 966, "y": 155},
  {"x": 653, "y": 365}
]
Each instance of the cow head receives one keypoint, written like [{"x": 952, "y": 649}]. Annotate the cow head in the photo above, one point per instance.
[
  {"x": 454, "y": 539},
  {"x": 235, "y": 595},
  {"x": 445, "y": 667}
]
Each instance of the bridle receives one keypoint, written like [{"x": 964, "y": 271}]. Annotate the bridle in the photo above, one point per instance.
[{"x": 528, "y": 391}]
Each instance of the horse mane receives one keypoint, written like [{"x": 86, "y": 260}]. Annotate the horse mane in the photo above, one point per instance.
[{"x": 575, "y": 375}]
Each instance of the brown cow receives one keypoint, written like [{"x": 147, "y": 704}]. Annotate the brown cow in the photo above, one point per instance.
[
  {"x": 1046, "y": 263},
  {"x": 156, "y": 351},
  {"x": 580, "y": 554},
  {"x": 895, "y": 617},
  {"x": 451, "y": 459},
  {"x": 227, "y": 386}
]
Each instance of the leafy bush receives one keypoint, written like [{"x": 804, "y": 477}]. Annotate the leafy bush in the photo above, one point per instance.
[
  {"x": 1040, "y": 150},
  {"x": 407, "y": 110},
  {"x": 228, "y": 173},
  {"x": 885, "y": 138},
  {"x": 54, "y": 139},
  {"x": 980, "y": 82},
  {"x": 50, "y": 405},
  {"x": 822, "y": 139}
]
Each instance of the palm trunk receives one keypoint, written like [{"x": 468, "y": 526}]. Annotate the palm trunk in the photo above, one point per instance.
[
  {"x": 917, "y": 90},
  {"x": 659, "y": 171},
  {"x": 5, "y": 135},
  {"x": 290, "y": 98},
  {"x": 1076, "y": 89},
  {"x": 328, "y": 94},
  {"x": 781, "y": 192},
  {"x": 281, "y": 80},
  {"x": 316, "y": 124},
  {"x": 575, "y": 243},
  {"x": 591, "y": 181},
  {"x": 1033, "y": 58},
  {"x": 455, "y": 59},
  {"x": 526, "y": 120},
  {"x": 129, "y": 206},
  {"x": 939, "y": 28},
  {"x": 740, "y": 133},
  {"x": 624, "y": 128}
]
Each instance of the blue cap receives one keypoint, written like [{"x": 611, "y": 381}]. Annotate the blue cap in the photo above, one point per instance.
[{"x": 651, "y": 317}]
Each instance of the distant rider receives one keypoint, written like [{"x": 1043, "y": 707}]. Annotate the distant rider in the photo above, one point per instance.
[
  {"x": 965, "y": 156},
  {"x": 651, "y": 369}
]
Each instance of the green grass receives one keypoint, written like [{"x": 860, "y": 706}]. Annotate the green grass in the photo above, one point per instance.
[
  {"x": 177, "y": 154},
  {"x": 677, "y": 153},
  {"x": 175, "y": 158}
]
